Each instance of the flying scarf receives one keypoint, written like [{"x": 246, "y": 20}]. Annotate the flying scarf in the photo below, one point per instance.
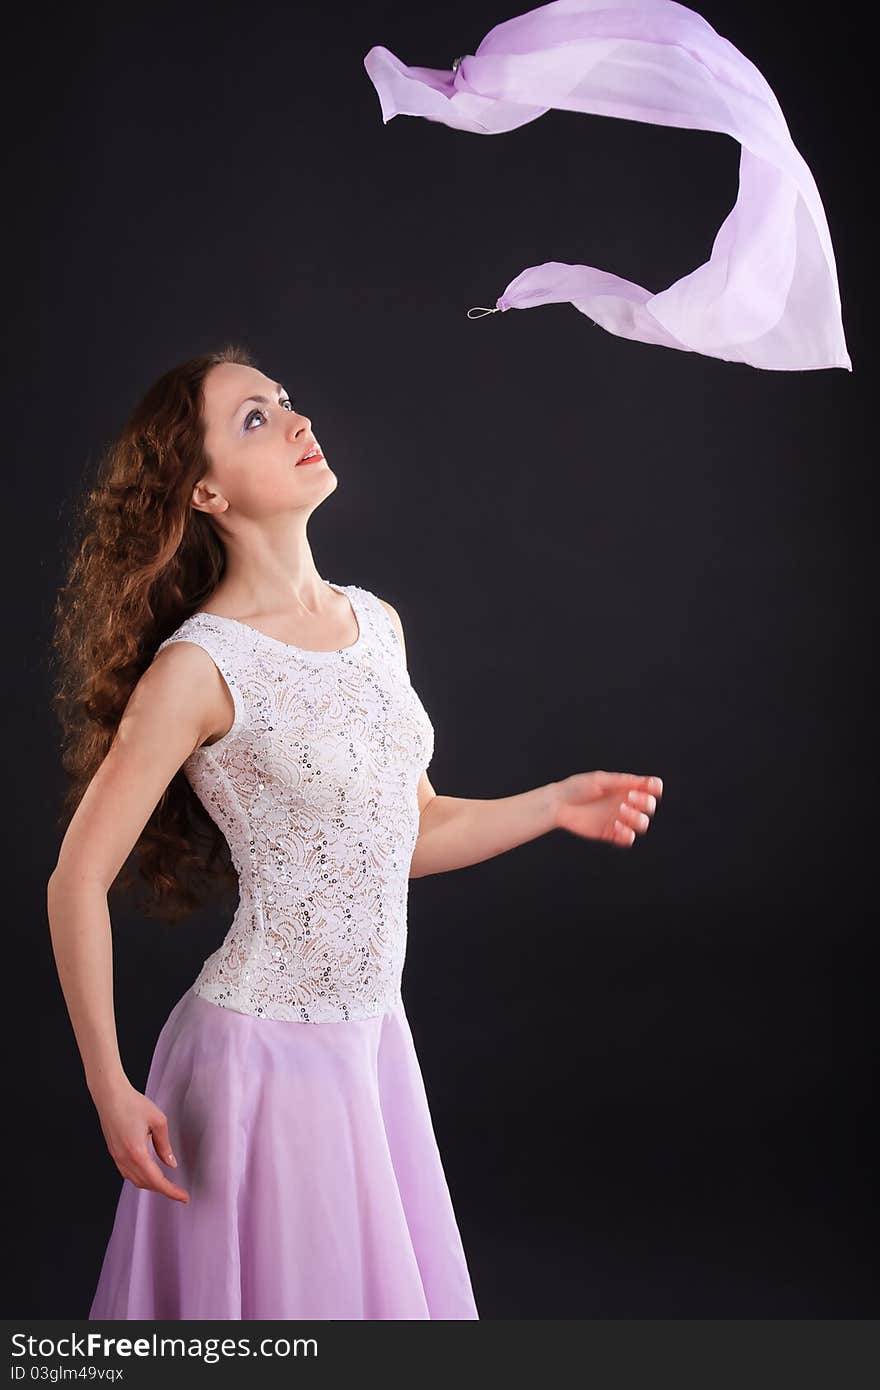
[{"x": 768, "y": 294}]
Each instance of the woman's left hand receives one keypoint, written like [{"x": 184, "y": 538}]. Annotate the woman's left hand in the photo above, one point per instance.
[{"x": 613, "y": 806}]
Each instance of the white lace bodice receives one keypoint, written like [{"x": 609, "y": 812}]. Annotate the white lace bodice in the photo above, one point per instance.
[{"x": 315, "y": 789}]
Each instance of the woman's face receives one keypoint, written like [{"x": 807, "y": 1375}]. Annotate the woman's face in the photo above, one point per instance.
[{"x": 254, "y": 440}]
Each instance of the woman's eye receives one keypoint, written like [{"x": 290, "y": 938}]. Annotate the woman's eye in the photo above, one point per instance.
[{"x": 262, "y": 414}]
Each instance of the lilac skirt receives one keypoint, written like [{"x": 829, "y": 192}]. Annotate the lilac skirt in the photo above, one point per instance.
[{"x": 315, "y": 1182}]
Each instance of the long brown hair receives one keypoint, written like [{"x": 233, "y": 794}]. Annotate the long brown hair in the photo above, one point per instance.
[{"x": 141, "y": 559}]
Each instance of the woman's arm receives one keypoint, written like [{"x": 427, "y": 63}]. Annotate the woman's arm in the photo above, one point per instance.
[
  {"x": 455, "y": 831},
  {"x": 175, "y": 706}
]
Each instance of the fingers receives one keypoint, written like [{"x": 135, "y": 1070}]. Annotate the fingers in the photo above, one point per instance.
[
  {"x": 631, "y": 820},
  {"x": 631, "y": 815},
  {"x": 622, "y": 833},
  {"x": 143, "y": 1170},
  {"x": 161, "y": 1142},
  {"x": 635, "y": 781},
  {"x": 640, "y": 782}
]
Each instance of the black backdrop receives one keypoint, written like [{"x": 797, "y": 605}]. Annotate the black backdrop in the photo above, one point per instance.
[{"x": 648, "y": 1069}]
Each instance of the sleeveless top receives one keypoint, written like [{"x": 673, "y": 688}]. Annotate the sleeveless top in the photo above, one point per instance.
[{"x": 315, "y": 789}]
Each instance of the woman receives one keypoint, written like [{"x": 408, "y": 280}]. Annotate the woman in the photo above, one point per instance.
[{"x": 232, "y": 715}]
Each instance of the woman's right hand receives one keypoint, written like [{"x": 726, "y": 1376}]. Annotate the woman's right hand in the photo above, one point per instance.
[{"x": 128, "y": 1118}]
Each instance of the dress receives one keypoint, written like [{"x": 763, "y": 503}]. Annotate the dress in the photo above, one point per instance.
[{"x": 296, "y": 1106}]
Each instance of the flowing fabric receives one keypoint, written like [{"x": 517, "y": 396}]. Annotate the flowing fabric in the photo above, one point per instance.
[
  {"x": 768, "y": 295},
  {"x": 316, "y": 1186}
]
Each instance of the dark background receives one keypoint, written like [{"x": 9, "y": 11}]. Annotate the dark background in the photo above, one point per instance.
[{"x": 649, "y": 1069}]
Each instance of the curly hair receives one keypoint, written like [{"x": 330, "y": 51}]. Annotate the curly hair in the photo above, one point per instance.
[{"x": 141, "y": 559}]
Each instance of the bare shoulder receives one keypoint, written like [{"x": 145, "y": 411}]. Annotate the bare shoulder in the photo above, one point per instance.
[
  {"x": 183, "y": 684},
  {"x": 398, "y": 625},
  {"x": 175, "y": 704}
]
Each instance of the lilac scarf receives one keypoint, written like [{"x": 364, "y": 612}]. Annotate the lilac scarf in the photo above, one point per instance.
[{"x": 768, "y": 294}]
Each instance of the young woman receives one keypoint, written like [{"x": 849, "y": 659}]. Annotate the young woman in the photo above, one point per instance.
[{"x": 231, "y": 717}]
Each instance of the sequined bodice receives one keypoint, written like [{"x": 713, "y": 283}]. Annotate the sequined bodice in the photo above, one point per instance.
[{"x": 315, "y": 789}]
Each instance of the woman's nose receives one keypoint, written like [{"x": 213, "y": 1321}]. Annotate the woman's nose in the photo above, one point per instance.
[{"x": 300, "y": 424}]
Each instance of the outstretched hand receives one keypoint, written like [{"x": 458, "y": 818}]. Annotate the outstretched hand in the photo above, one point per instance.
[{"x": 613, "y": 806}]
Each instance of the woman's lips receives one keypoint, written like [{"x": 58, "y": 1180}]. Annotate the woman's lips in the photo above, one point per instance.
[{"x": 316, "y": 458}]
